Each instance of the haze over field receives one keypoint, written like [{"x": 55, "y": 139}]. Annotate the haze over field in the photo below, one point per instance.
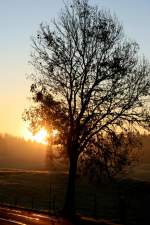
[{"x": 17, "y": 153}]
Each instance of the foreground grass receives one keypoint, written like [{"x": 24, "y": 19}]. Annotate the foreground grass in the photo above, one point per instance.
[{"x": 46, "y": 191}]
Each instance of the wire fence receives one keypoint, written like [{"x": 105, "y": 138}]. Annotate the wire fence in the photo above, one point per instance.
[
  {"x": 96, "y": 205},
  {"x": 128, "y": 204}
]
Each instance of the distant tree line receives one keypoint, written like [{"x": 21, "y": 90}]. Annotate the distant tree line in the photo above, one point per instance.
[{"x": 15, "y": 152}]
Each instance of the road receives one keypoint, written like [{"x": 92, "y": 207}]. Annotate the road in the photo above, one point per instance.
[{"x": 10, "y": 216}]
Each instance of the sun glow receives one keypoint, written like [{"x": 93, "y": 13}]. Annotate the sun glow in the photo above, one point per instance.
[
  {"x": 54, "y": 133},
  {"x": 41, "y": 136}
]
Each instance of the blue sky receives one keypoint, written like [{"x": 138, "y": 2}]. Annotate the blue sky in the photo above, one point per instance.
[{"x": 20, "y": 19}]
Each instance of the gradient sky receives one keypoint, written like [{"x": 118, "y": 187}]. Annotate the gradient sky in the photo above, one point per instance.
[{"x": 20, "y": 19}]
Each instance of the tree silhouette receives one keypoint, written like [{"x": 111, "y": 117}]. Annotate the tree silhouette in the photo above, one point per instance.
[
  {"x": 90, "y": 79},
  {"x": 111, "y": 156}
]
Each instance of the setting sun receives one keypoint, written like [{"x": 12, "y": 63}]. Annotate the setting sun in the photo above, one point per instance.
[{"x": 41, "y": 136}]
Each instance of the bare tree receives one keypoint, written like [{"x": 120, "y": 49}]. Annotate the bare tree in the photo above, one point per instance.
[{"x": 90, "y": 74}]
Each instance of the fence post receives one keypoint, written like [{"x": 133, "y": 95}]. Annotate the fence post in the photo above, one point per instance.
[
  {"x": 15, "y": 201},
  {"x": 32, "y": 203},
  {"x": 123, "y": 209},
  {"x": 95, "y": 206},
  {"x": 2, "y": 200},
  {"x": 54, "y": 203},
  {"x": 50, "y": 197}
]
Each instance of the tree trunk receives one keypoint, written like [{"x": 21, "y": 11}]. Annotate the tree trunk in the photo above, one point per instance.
[{"x": 69, "y": 207}]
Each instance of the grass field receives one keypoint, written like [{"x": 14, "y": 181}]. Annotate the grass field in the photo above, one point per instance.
[
  {"x": 46, "y": 191},
  {"x": 141, "y": 172}
]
